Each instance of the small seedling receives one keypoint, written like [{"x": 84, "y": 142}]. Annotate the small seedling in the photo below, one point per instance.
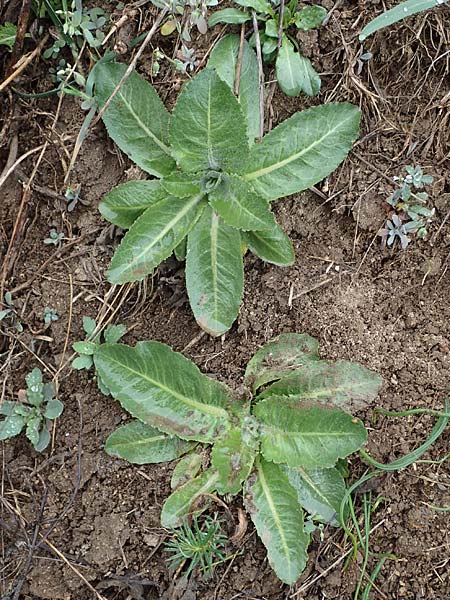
[
  {"x": 54, "y": 238},
  {"x": 214, "y": 187},
  {"x": 198, "y": 545},
  {"x": 10, "y": 314},
  {"x": 86, "y": 348},
  {"x": 411, "y": 213},
  {"x": 279, "y": 444},
  {"x": 50, "y": 315},
  {"x": 36, "y": 408},
  {"x": 295, "y": 73}
]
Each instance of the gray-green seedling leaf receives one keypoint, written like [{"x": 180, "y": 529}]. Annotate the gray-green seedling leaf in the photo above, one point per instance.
[
  {"x": 126, "y": 202},
  {"x": 187, "y": 468},
  {"x": 113, "y": 333},
  {"x": 207, "y": 128},
  {"x": 84, "y": 361},
  {"x": 310, "y": 17},
  {"x": 7, "y": 407},
  {"x": 153, "y": 236},
  {"x": 274, "y": 509},
  {"x": 233, "y": 459},
  {"x": 43, "y": 440},
  {"x": 142, "y": 444},
  {"x": 214, "y": 273},
  {"x": 319, "y": 491},
  {"x": 162, "y": 388},
  {"x": 306, "y": 435},
  {"x": 32, "y": 429},
  {"x": 271, "y": 245},
  {"x": 295, "y": 73},
  {"x": 398, "y": 13},
  {"x": 238, "y": 205},
  {"x": 11, "y": 426},
  {"x": 302, "y": 150},
  {"x": 224, "y": 59},
  {"x": 281, "y": 356},
  {"x": 8, "y": 33},
  {"x": 232, "y": 16},
  {"x": 182, "y": 185},
  {"x": 344, "y": 384},
  {"x": 53, "y": 409},
  {"x": 136, "y": 119},
  {"x": 89, "y": 325},
  {"x": 180, "y": 503},
  {"x": 83, "y": 347}
]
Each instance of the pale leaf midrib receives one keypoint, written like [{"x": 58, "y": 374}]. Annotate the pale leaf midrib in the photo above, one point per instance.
[
  {"x": 149, "y": 133},
  {"x": 313, "y": 486},
  {"x": 293, "y": 157},
  {"x": 276, "y": 518},
  {"x": 164, "y": 231},
  {"x": 143, "y": 441},
  {"x": 207, "y": 409}
]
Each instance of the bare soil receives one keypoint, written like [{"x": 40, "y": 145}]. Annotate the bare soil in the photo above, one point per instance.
[{"x": 78, "y": 524}]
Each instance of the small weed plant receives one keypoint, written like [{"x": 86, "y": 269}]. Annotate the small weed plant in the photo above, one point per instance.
[
  {"x": 199, "y": 545},
  {"x": 214, "y": 185},
  {"x": 294, "y": 72},
  {"x": 50, "y": 315},
  {"x": 9, "y": 313},
  {"x": 280, "y": 444},
  {"x": 409, "y": 203},
  {"x": 36, "y": 408}
]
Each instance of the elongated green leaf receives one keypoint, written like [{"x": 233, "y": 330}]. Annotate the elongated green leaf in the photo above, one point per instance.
[
  {"x": 141, "y": 444},
  {"x": 308, "y": 436},
  {"x": 187, "y": 468},
  {"x": 182, "y": 185},
  {"x": 214, "y": 273},
  {"x": 274, "y": 509},
  {"x": 233, "y": 459},
  {"x": 302, "y": 150},
  {"x": 180, "y": 503},
  {"x": 153, "y": 236},
  {"x": 295, "y": 73},
  {"x": 224, "y": 59},
  {"x": 207, "y": 129},
  {"x": 233, "y": 16},
  {"x": 239, "y": 206},
  {"x": 136, "y": 119},
  {"x": 281, "y": 356},
  {"x": 163, "y": 389},
  {"x": 310, "y": 17},
  {"x": 319, "y": 491},
  {"x": 344, "y": 384},
  {"x": 126, "y": 202},
  {"x": 397, "y": 13},
  {"x": 271, "y": 245}
]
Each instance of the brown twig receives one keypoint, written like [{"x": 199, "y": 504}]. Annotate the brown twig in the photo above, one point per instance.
[
  {"x": 22, "y": 26},
  {"x": 24, "y": 63}
]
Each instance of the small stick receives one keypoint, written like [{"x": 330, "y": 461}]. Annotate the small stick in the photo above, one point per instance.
[
  {"x": 131, "y": 66},
  {"x": 22, "y": 26},
  {"x": 280, "y": 25},
  {"x": 261, "y": 75},
  {"x": 237, "y": 79},
  {"x": 24, "y": 64}
]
